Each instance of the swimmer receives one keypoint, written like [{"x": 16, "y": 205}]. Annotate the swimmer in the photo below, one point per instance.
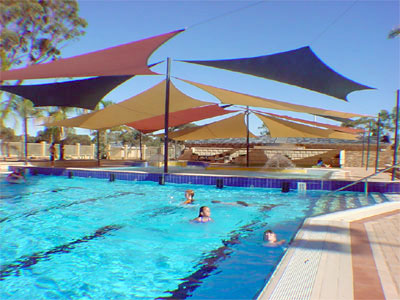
[
  {"x": 270, "y": 237},
  {"x": 16, "y": 176},
  {"x": 204, "y": 215},
  {"x": 189, "y": 194}
]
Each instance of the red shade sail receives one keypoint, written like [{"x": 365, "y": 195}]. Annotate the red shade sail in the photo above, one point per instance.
[
  {"x": 127, "y": 59},
  {"x": 179, "y": 118}
]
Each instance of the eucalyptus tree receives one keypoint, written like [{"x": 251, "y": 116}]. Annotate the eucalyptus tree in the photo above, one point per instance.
[{"x": 33, "y": 32}]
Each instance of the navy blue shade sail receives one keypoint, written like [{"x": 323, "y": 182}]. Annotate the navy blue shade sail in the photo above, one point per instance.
[
  {"x": 299, "y": 67},
  {"x": 85, "y": 93}
]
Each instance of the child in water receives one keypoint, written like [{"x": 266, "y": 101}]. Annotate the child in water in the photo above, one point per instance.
[
  {"x": 270, "y": 237},
  {"x": 204, "y": 215},
  {"x": 189, "y": 194}
]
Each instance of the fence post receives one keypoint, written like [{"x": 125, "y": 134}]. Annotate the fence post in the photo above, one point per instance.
[
  {"x": 125, "y": 151},
  {"x": 43, "y": 150},
  {"x": 144, "y": 150},
  {"x": 342, "y": 158},
  {"x": 21, "y": 149},
  {"x": 78, "y": 150}
]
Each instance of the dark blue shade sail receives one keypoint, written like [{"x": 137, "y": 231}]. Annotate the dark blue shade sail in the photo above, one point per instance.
[
  {"x": 84, "y": 93},
  {"x": 300, "y": 67}
]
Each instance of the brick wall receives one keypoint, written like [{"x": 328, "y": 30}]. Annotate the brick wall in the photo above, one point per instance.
[{"x": 353, "y": 158}]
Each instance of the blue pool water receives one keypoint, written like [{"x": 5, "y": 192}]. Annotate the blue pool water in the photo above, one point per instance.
[{"x": 86, "y": 238}]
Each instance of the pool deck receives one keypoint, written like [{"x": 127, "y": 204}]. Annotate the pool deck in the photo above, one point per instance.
[{"x": 354, "y": 254}]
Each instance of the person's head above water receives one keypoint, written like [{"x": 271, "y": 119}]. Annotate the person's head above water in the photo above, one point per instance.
[
  {"x": 204, "y": 215},
  {"x": 270, "y": 236},
  {"x": 189, "y": 194},
  {"x": 204, "y": 211}
]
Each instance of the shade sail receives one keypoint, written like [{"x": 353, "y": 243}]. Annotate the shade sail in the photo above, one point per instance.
[
  {"x": 149, "y": 103},
  {"x": 299, "y": 67},
  {"x": 179, "y": 118},
  {"x": 333, "y": 127},
  {"x": 230, "y": 97},
  {"x": 127, "y": 59},
  {"x": 84, "y": 93},
  {"x": 281, "y": 128},
  {"x": 232, "y": 127}
]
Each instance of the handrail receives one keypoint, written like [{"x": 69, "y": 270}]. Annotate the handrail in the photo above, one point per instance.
[{"x": 364, "y": 178}]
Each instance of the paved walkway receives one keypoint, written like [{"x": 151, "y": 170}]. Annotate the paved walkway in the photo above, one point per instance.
[{"x": 353, "y": 254}]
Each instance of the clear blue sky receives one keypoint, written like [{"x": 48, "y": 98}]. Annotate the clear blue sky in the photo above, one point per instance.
[{"x": 349, "y": 36}]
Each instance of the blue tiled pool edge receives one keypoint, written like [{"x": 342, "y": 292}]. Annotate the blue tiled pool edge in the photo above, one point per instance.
[{"x": 238, "y": 181}]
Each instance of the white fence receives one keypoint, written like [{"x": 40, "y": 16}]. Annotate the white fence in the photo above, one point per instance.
[{"x": 78, "y": 151}]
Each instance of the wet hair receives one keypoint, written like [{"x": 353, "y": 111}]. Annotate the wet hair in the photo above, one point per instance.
[
  {"x": 268, "y": 231},
  {"x": 190, "y": 192},
  {"x": 201, "y": 210}
]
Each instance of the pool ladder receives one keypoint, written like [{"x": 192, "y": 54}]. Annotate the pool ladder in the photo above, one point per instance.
[{"x": 365, "y": 179}]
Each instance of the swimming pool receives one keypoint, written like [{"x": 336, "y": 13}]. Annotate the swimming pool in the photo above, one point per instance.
[{"x": 87, "y": 238}]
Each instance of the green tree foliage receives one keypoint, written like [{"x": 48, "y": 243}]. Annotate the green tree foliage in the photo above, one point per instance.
[
  {"x": 56, "y": 133},
  {"x": 8, "y": 135},
  {"x": 35, "y": 31},
  {"x": 387, "y": 123},
  {"x": 394, "y": 32},
  {"x": 47, "y": 135},
  {"x": 264, "y": 130}
]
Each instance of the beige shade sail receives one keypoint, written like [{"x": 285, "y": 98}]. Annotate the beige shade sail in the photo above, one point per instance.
[
  {"x": 230, "y": 97},
  {"x": 281, "y": 128},
  {"x": 233, "y": 127},
  {"x": 149, "y": 103},
  {"x": 329, "y": 126},
  {"x": 126, "y": 59}
]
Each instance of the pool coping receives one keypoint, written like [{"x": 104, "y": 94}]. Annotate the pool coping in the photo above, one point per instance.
[
  {"x": 340, "y": 256},
  {"x": 213, "y": 179}
]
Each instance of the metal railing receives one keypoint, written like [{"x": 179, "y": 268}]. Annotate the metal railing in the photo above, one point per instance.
[{"x": 365, "y": 179}]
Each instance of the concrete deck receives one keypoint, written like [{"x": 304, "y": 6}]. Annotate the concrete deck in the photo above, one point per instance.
[{"x": 353, "y": 254}]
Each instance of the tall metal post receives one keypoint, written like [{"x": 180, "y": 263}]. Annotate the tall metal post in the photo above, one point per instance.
[
  {"x": 25, "y": 140},
  {"x": 396, "y": 137},
  {"x": 140, "y": 146},
  {"x": 247, "y": 139},
  {"x": 166, "y": 117},
  {"x": 378, "y": 125},
  {"x": 98, "y": 148},
  {"x": 363, "y": 149},
  {"x": 368, "y": 144}
]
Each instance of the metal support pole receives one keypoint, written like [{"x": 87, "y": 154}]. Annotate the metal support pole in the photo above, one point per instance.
[
  {"x": 140, "y": 146},
  {"x": 247, "y": 139},
  {"x": 98, "y": 148},
  {"x": 368, "y": 144},
  {"x": 378, "y": 125},
  {"x": 363, "y": 150},
  {"x": 166, "y": 116},
  {"x": 26, "y": 140},
  {"x": 396, "y": 137},
  {"x": 366, "y": 187}
]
